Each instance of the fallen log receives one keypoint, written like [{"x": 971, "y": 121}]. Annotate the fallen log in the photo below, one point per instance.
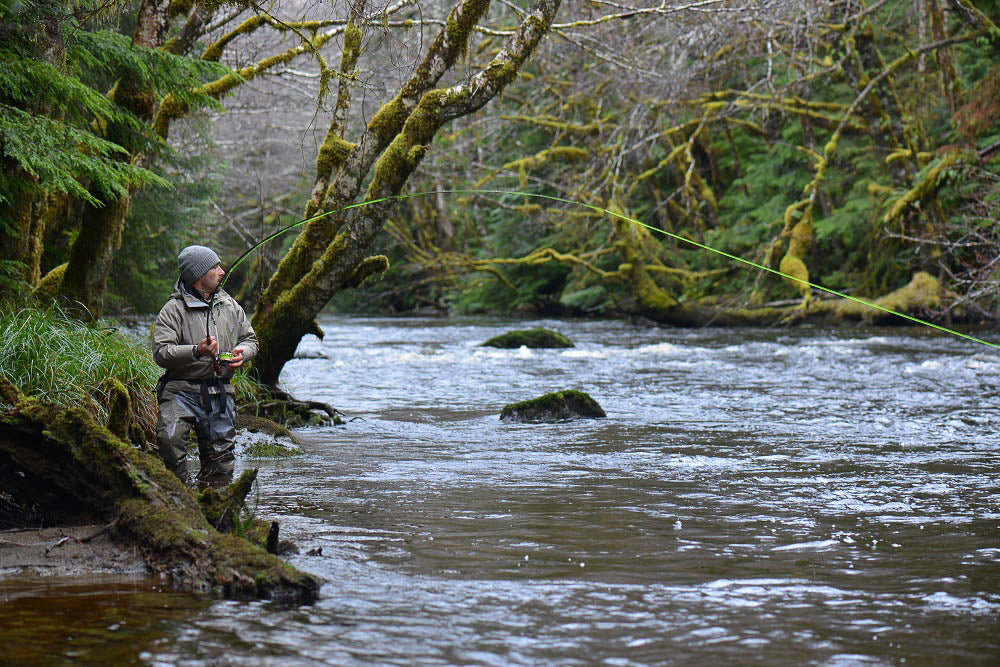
[{"x": 74, "y": 470}]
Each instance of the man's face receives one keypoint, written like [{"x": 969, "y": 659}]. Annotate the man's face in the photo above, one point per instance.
[{"x": 211, "y": 280}]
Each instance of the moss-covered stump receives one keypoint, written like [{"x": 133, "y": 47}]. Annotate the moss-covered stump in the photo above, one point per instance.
[
  {"x": 534, "y": 338},
  {"x": 75, "y": 470},
  {"x": 557, "y": 406},
  {"x": 222, "y": 508}
]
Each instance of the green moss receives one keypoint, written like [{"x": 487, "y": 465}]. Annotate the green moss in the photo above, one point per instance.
[
  {"x": 258, "y": 424},
  {"x": 100, "y": 236},
  {"x": 106, "y": 457},
  {"x": 921, "y": 293},
  {"x": 270, "y": 450},
  {"x": 119, "y": 410},
  {"x": 534, "y": 338},
  {"x": 352, "y": 41},
  {"x": 222, "y": 509},
  {"x": 152, "y": 508},
  {"x": 793, "y": 266},
  {"x": 369, "y": 266},
  {"x": 556, "y": 406},
  {"x": 653, "y": 300},
  {"x": 49, "y": 285},
  {"x": 928, "y": 184},
  {"x": 389, "y": 119},
  {"x": 460, "y": 26},
  {"x": 504, "y": 72},
  {"x": 332, "y": 154},
  {"x": 10, "y": 393}
]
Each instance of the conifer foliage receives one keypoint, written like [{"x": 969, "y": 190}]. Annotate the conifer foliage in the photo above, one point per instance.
[{"x": 71, "y": 137}]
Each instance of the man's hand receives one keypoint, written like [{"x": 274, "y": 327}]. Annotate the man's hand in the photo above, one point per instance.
[
  {"x": 208, "y": 347},
  {"x": 237, "y": 359}
]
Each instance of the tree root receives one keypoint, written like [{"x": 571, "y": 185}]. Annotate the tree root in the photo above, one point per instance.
[{"x": 284, "y": 409}]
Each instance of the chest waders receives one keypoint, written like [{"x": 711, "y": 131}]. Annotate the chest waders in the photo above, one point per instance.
[{"x": 211, "y": 419}]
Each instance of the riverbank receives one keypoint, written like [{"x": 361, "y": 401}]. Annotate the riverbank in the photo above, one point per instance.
[{"x": 65, "y": 551}]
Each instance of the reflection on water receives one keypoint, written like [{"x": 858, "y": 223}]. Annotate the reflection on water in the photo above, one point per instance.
[
  {"x": 102, "y": 619},
  {"x": 764, "y": 496}
]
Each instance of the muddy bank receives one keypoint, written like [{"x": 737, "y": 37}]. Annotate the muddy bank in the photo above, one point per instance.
[
  {"x": 75, "y": 471},
  {"x": 65, "y": 551}
]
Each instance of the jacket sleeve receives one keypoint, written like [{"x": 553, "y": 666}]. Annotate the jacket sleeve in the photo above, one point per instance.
[
  {"x": 169, "y": 348},
  {"x": 246, "y": 340}
]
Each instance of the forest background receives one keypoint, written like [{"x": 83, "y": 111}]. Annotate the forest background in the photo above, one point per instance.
[{"x": 852, "y": 144}]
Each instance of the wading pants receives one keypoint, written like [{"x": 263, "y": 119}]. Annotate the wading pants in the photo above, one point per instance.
[{"x": 211, "y": 416}]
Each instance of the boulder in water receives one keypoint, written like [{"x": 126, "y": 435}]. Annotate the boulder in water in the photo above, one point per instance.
[
  {"x": 529, "y": 338},
  {"x": 557, "y": 406}
]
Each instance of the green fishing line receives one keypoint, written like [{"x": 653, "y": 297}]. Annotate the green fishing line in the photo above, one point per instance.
[{"x": 621, "y": 216}]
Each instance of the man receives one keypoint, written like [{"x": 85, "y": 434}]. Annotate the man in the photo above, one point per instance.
[{"x": 193, "y": 326}]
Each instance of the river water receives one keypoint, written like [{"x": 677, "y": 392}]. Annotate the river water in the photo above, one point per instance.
[{"x": 754, "y": 496}]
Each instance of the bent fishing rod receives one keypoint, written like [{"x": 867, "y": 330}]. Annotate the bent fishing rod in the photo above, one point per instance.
[{"x": 270, "y": 237}]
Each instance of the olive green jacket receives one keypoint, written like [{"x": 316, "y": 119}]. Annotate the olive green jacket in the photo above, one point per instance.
[{"x": 180, "y": 326}]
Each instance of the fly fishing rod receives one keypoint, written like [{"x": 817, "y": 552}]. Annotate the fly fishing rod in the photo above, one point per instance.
[{"x": 270, "y": 237}]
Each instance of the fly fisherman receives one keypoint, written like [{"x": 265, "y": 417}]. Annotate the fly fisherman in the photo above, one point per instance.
[{"x": 193, "y": 326}]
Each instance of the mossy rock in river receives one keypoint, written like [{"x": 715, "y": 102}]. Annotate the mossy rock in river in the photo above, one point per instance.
[
  {"x": 529, "y": 338},
  {"x": 261, "y": 438},
  {"x": 557, "y": 406}
]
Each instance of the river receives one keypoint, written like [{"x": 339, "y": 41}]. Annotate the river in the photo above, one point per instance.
[{"x": 754, "y": 496}]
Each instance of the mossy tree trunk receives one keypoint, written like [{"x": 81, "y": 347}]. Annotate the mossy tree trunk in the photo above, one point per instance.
[
  {"x": 23, "y": 216},
  {"x": 16, "y": 233},
  {"x": 86, "y": 276},
  {"x": 331, "y": 253}
]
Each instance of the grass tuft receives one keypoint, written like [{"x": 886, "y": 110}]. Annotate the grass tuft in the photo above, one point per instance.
[{"x": 56, "y": 358}]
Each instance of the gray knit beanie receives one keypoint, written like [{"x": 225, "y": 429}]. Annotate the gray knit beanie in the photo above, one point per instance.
[{"x": 195, "y": 261}]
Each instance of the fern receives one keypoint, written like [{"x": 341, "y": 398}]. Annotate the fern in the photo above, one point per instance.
[
  {"x": 63, "y": 158},
  {"x": 54, "y": 120},
  {"x": 102, "y": 52}
]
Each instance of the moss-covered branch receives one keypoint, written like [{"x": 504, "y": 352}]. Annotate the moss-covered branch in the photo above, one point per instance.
[
  {"x": 317, "y": 236},
  {"x": 397, "y": 136},
  {"x": 334, "y": 150}
]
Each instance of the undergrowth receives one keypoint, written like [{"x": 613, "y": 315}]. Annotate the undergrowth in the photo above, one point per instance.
[{"x": 50, "y": 355}]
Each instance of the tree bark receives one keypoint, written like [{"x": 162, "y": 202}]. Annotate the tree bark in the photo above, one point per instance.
[
  {"x": 15, "y": 233},
  {"x": 86, "y": 277},
  {"x": 330, "y": 254}
]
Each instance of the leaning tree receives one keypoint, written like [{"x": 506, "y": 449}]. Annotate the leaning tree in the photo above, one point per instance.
[{"x": 332, "y": 252}]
